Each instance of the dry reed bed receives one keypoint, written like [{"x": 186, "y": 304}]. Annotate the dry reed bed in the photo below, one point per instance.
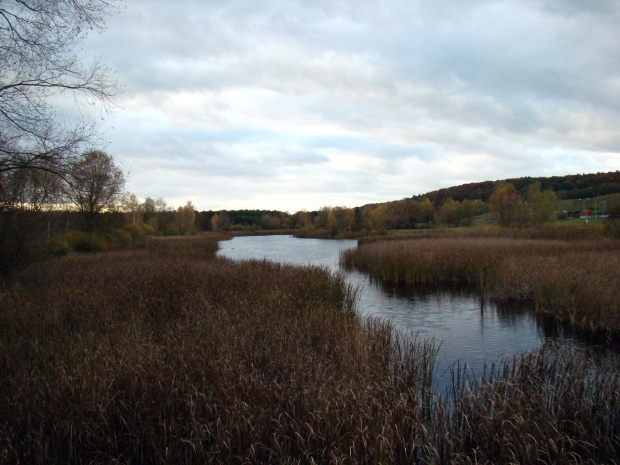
[
  {"x": 138, "y": 357},
  {"x": 576, "y": 282},
  {"x": 204, "y": 245},
  {"x": 560, "y": 231},
  {"x": 151, "y": 357},
  {"x": 556, "y": 405}
]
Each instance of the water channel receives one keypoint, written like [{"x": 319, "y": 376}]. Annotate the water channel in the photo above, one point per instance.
[{"x": 468, "y": 329}]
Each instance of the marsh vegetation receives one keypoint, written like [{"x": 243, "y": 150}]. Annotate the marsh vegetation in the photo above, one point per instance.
[
  {"x": 574, "y": 281},
  {"x": 169, "y": 355}
]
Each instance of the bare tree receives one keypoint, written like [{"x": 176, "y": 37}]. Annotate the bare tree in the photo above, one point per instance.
[
  {"x": 37, "y": 43},
  {"x": 95, "y": 184}
]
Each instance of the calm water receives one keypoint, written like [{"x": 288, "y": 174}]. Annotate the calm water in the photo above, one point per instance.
[{"x": 467, "y": 329}]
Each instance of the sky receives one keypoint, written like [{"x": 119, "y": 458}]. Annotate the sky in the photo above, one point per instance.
[{"x": 299, "y": 104}]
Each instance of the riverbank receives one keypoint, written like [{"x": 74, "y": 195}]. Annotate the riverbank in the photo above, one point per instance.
[
  {"x": 574, "y": 281},
  {"x": 168, "y": 354}
]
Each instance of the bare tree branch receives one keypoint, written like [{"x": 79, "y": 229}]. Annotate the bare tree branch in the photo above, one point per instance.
[{"x": 37, "y": 42}]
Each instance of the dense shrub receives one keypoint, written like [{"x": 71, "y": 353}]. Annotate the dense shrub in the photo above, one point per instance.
[{"x": 80, "y": 241}]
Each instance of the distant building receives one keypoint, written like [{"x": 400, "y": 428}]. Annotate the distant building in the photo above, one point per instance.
[{"x": 580, "y": 213}]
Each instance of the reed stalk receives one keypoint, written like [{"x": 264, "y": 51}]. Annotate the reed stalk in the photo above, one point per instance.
[
  {"x": 161, "y": 355},
  {"x": 576, "y": 282}
]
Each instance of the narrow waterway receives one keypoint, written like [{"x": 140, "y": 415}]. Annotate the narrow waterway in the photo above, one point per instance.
[{"x": 466, "y": 328}]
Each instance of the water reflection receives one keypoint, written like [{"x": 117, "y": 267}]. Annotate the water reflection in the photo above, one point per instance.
[{"x": 469, "y": 328}]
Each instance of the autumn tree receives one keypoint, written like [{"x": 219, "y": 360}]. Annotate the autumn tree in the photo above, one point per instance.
[
  {"x": 504, "y": 202},
  {"x": 149, "y": 212},
  {"x": 541, "y": 205},
  {"x": 185, "y": 218},
  {"x": 331, "y": 225},
  {"x": 451, "y": 212},
  {"x": 220, "y": 221},
  {"x": 133, "y": 210},
  {"x": 426, "y": 211},
  {"x": 320, "y": 222},
  {"x": 377, "y": 217},
  {"x": 472, "y": 208},
  {"x": 223, "y": 220},
  {"x": 350, "y": 223},
  {"x": 301, "y": 219},
  {"x": 94, "y": 183},
  {"x": 164, "y": 217},
  {"x": 161, "y": 205},
  {"x": 270, "y": 221},
  {"x": 148, "y": 207},
  {"x": 39, "y": 67},
  {"x": 214, "y": 222},
  {"x": 397, "y": 215}
]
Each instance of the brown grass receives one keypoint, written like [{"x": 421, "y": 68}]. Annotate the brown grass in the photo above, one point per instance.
[
  {"x": 575, "y": 281},
  {"x": 141, "y": 357},
  {"x": 161, "y": 356},
  {"x": 560, "y": 231},
  {"x": 552, "y": 406}
]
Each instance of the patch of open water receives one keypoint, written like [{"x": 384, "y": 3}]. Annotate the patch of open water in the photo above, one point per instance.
[{"x": 467, "y": 328}]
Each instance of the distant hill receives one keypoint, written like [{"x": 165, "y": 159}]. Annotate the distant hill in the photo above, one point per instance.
[{"x": 574, "y": 186}]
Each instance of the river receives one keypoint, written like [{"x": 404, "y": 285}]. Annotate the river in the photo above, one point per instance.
[{"x": 468, "y": 329}]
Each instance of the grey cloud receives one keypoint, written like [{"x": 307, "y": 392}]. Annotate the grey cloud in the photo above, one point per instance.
[{"x": 257, "y": 92}]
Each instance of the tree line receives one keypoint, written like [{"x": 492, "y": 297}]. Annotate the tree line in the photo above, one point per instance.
[
  {"x": 50, "y": 160},
  {"x": 505, "y": 206},
  {"x": 574, "y": 186}
]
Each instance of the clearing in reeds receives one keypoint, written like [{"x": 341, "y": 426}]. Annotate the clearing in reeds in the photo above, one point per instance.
[
  {"x": 161, "y": 356},
  {"x": 576, "y": 282}
]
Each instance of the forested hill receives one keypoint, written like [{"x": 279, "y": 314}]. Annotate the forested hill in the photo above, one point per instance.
[{"x": 574, "y": 186}]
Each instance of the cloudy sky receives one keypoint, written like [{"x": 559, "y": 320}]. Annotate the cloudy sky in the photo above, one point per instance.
[{"x": 291, "y": 104}]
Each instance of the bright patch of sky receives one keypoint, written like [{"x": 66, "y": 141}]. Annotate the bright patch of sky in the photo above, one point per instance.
[{"x": 294, "y": 104}]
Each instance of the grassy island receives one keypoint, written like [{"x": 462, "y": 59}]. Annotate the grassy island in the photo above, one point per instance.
[{"x": 575, "y": 281}]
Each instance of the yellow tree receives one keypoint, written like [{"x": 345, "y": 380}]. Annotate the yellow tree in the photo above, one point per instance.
[
  {"x": 331, "y": 224},
  {"x": 426, "y": 211},
  {"x": 378, "y": 217},
  {"x": 541, "y": 204},
  {"x": 349, "y": 219},
  {"x": 451, "y": 212},
  {"x": 504, "y": 202},
  {"x": 185, "y": 217},
  {"x": 133, "y": 210},
  {"x": 301, "y": 219}
]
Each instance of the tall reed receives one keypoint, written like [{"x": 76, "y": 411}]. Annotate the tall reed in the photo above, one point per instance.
[
  {"x": 144, "y": 357},
  {"x": 574, "y": 281},
  {"x": 151, "y": 357},
  {"x": 556, "y": 405},
  {"x": 561, "y": 231}
]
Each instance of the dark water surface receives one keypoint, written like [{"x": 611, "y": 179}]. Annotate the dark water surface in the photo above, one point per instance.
[{"x": 468, "y": 329}]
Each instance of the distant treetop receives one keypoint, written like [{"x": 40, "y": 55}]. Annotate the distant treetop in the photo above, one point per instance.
[{"x": 575, "y": 186}]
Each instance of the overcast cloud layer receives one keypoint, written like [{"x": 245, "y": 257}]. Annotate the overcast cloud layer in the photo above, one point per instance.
[{"x": 297, "y": 104}]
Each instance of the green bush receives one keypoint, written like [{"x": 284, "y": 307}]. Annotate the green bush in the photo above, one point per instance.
[
  {"x": 80, "y": 241},
  {"x": 136, "y": 232}
]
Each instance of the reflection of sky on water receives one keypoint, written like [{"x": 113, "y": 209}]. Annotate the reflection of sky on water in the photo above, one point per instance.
[
  {"x": 286, "y": 249},
  {"x": 467, "y": 329}
]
